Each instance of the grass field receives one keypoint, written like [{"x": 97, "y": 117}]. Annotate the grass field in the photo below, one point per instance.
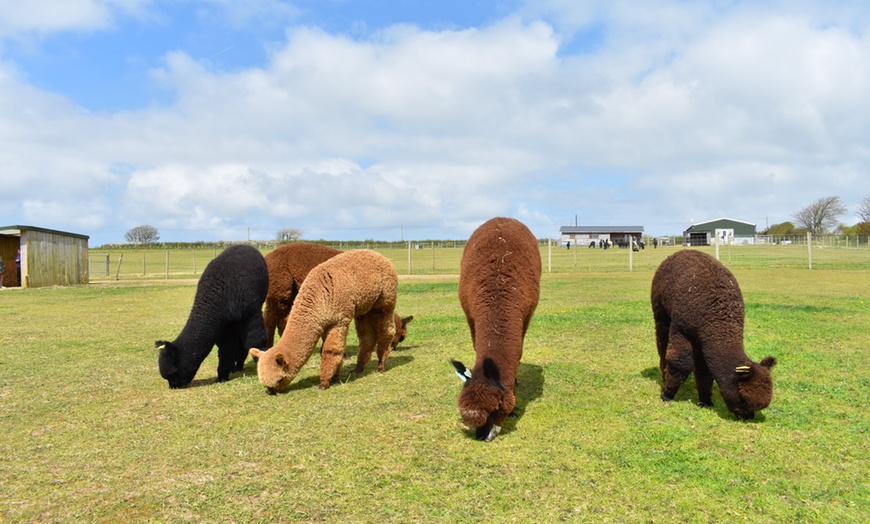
[
  {"x": 443, "y": 259},
  {"x": 91, "y": 433}
]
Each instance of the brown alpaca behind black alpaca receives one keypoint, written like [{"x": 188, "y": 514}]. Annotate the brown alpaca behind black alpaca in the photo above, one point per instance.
[
  {"x": 699, "y": 313},
  {"x": 499, "y": 286}
]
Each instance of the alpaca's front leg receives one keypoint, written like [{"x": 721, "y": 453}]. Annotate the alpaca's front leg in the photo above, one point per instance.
[
  {"x": 385, "y": 329},
  {"x": 365, "y": 332},
  {"x": 332, "y": 354}
]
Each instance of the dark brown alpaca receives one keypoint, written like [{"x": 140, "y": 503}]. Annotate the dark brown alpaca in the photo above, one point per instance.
[
  {"x": 698, "y": 311},
  {"x": 499, "y": 285}
]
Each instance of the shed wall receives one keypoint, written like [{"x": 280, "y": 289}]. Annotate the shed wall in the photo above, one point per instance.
[{"x": 53, "y": 259}]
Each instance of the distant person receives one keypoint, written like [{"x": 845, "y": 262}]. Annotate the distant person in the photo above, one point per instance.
[
  {"x": 655, "y": 243},
  {"x": 17, "y": 268},
  {"x": 569, "y": 245}
]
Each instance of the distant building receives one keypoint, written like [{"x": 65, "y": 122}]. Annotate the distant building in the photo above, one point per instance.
[
  {"x": 48, "y": 257},
  {"x": 585, "y": 235},
  {"x": 726, "y": 230}
]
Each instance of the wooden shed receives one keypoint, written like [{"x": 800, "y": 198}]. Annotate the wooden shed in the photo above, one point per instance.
[{"x": 48, "y": 257}]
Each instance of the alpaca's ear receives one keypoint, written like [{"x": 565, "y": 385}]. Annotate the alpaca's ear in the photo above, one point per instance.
[
  {"x": 768, "y": 362},
  {"x": 256, "y": 353},
  {"x": 281, "y": 361},
  {"x": 492, "y": 374},
  {"x": 160, "y": 344},
  {"x": 461, "y": 371},
  {"x": 406, "y": 320}
]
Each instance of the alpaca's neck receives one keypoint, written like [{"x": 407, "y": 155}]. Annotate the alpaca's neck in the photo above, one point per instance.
[{"x": 198, "y": 336}]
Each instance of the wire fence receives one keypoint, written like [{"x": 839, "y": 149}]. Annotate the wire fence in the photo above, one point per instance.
[{"x": 443, "y": 257}]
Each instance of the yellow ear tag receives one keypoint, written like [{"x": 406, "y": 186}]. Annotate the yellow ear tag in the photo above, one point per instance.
[{"x": 742, "y": 369}]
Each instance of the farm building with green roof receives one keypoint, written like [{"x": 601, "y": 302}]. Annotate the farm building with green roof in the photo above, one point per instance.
[{"x": 725, "y": 230}]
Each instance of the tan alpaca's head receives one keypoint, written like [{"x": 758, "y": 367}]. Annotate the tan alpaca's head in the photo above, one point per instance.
[{"x": 272, "y": 369}]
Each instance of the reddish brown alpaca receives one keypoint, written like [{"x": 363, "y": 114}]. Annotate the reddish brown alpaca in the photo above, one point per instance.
[
  {"x": 699, "y": 314},
  {"x": 499, "y": 286}
]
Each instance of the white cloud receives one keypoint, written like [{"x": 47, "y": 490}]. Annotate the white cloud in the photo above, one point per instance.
[
  {"x": 693, "y": 110},
  {"x": 47, "y": 16}
]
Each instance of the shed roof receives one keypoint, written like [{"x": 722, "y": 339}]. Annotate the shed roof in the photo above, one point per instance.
[
  {"x": 17, "y": 230},
  {"x": 601, "y": 229},
  {"x": 720, "y": 219}
]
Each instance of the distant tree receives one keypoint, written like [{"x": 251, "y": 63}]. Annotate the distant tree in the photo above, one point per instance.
[
  {"x": 821, "y": 216},
  {"x": 784, "y": 229},
  {"x": 289, "y": 234},
  {"x": 142, "y": 234},
  {"x": 864, "y": 209}
]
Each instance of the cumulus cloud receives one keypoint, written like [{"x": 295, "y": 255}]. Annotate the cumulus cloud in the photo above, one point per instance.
[{"x": 643, "y": 114}]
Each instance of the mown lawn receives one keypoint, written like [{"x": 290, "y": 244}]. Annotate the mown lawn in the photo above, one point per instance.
[{"x": 91, "y": 433}]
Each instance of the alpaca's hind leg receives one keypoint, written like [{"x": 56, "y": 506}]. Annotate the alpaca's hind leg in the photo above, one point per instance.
[
  {"x": 678, "y": 364},
  {"x": 365, "y": 332},
  {"x": 332, "y": 354},
  {"x": 703, "y": 381}
]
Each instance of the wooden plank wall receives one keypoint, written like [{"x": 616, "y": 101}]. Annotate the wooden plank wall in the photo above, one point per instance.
[{"x": 53, "y": 260}]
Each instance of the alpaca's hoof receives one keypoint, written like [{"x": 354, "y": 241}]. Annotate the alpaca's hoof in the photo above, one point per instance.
[{"x": 666, "y": 398}]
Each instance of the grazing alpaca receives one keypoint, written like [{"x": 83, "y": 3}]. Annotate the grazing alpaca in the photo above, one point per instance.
[
  {"x": 357, "y": 286},
  {"x": 226, "y": 311},
  {"x": 698, "y": 311},
  {"x": 499, "y": 285},
  {"x": 288, "y": 266},
  {"x": 401, "y": 329}
]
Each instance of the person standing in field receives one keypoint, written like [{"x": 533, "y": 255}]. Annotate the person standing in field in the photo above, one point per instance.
[
  {"x": 2, "y": 271},
  {"x": 17, "y": 269}
]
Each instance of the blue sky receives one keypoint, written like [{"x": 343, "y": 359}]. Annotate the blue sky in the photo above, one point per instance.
[{"x": 398, "y": 120}]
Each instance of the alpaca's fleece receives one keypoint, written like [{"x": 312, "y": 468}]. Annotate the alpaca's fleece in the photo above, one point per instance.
[
  {"x": 357, "y": 286},
  {"x": 499, "y": 286},
  {"x": 699, "y": 314},
  {"x": 226, "y": 312},
  {"x": 288, "y": 266}
]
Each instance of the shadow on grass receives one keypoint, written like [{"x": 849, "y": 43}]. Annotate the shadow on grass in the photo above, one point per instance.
[
  {"x": 530, "y": 387},
  {"x": 345, "y": 375},
  {"x": 688, "y": 392}
]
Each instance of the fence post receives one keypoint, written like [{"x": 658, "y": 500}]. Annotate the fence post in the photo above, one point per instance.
[
  {"x": 630, "y": 254},
  {"x": 143, "y": 265},
  {"x": 810, "y": 248},
  {"x": 118, "y": 271},
  {"x": 167, "y": 264},
  {"x": 433, "y": 256},
  {"x": 409, "y": 257},
  {"x": 194, "y": 262},
  {"x": 549, "y": 255}
]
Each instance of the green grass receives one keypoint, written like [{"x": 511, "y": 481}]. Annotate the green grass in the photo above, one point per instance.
[
  {"x": 91, "y": 433},
  {"x": 443, "y": 259}
]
